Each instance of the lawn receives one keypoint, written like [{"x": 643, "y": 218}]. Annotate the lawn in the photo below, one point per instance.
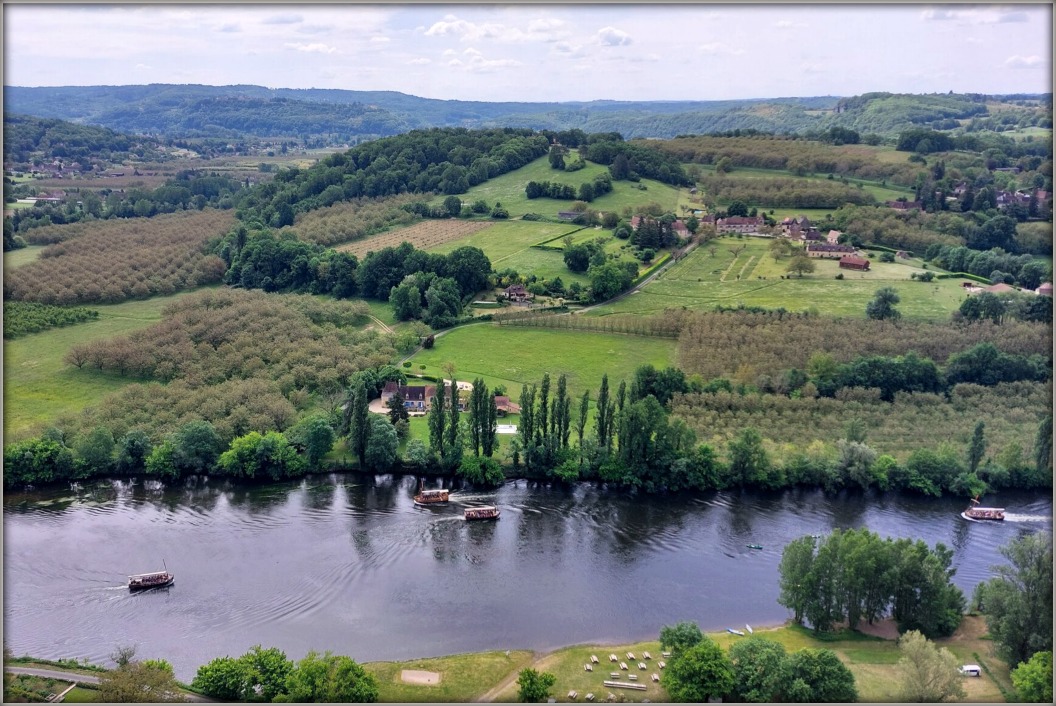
[
  {"x": 513, "y": 356},
  {"x": 704, "y": 280},
  {"x": 22, "y": 256},
  {"x": 509, "y": 244},
  {"x": 38, "y": 386},
  {"x": 463, "y": 677},
  {"x": 508, "y": 189}
]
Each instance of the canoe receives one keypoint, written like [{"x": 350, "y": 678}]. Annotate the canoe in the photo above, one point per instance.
[
  {"x": 735, "y": 632},
  {"x": 754, "y": 546},
  {"x": 749, "y": 628}
]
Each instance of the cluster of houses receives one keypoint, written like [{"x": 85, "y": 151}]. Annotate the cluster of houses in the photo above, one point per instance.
[{"x": 419, "y": 399}]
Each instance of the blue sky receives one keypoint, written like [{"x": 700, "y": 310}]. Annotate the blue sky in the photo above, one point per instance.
[{"x": 540, "y": 52}]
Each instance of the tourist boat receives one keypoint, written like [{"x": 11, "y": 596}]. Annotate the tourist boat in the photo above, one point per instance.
[
  {"x": 484, "y": 512},
  {"x": 735, "y": 632},
  {"x": 155, "y": 579},
  {"x": 983, "y": 513},
  {"x": 430, "y": 497}
]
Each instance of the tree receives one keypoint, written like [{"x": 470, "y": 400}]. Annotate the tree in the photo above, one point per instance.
[
  {"x": 882, "y": 306},
  {"x": 406, "y": 299},
  {"x": 437, "y": 421},
  {"x": 1043, "y": 447},
  {"x": 133, "y": 450},
  {"x": 759, "y": 669},
  {"x": 976, "y": 448},
  {"x": 680, "y": 637},
  {"x": 534, "y": 686},
  {"x": 453, "y": 205},
  {"x": 382, "y": 444},
  {"x": 330, "y": 678},
  {"x": 801, "y": 264},
  {"x": 417, "y": 453},
  {"x": 96, "y": 450},
  {"x": 223, "y": 678},
  {"x": 358, "y": 415},
  {"x": 138, "y": 682},
  {"x": 928, "y": 673},
  {"x": 452, "y": 445},
  {"x": 397, "y": 408},
  {"x": 749, "y": 462},
  {"x": 257, "y": 455},
  {"x": 314, "y": 435},
  {"x": 818, "y": 676},
  {"x": 1033, "y": 678},
  {"x": 1018, "y": 602},
  {"x": 265, "y": 672},
  {"x": 195, "y": 447},
  {"x": 699, "y": 673}
]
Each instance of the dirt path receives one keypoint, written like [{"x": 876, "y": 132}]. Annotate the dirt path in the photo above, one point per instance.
[
  {"x": 636, "y": 288},
  {"x": 488, "y": 696},
  {"x": 384, "y": 327}
]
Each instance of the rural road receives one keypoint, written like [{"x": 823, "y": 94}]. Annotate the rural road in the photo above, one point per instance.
[
  {"x": 666, "y": 266},
  {"x": 85, "y": 679}
]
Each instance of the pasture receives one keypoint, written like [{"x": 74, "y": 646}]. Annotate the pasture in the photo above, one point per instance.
[
  {"x": 508, "y": 189},
  {"x": 515, "y": 356},
  {"x": 426, "y": 235},
  {"x": 22, "y": 256},
  {"x": 39, "y": 386},
  {"x": 712, "y": 275}
]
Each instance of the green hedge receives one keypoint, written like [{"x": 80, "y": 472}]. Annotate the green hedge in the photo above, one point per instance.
[
  {"x": 965, "y": 275},
  {"x": 657, "y": 264}
]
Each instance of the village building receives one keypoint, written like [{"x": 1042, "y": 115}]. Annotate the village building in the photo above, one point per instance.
[
  {"x": 853, "y": 262},
  {"x": 1045, "y": 289},
  {"x": 739, "y": 224},
  {"x": 517, "y": 294},
  {"x": 833, "y": 252},
  {"x": 504, "y": 405},
  {"x": 416, "y": 398},
  {"x": 833, "y": 238}
]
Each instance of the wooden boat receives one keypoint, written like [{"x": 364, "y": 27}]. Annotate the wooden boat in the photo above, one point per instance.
[
  {"x": 484, "y": 512},
  {"x": 155, "y": 579},
  {"x": 735, "y": 632},
  {"x": 754, "y": 546},
  {"x": 430, "y": 497},
  {"x": 974, "y": 512}
]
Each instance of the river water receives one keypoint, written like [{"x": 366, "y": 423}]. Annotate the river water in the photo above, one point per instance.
[{"x": 348, "y": 563}]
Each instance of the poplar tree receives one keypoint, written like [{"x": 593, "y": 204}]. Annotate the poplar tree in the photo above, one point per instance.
[
  {"x": 451, "y": 436},
  {"x": 488, "y": 432},
  {"x": 542, "y": 429},
  {"x": 436, "y": 424},
  {"x": 581, "y": 424},
  {"x": 976, "y": 448},
  {"x": 359, "y": 421},
  {"x": 527, "y": 428},
  {"x": 603, "y": 418}
]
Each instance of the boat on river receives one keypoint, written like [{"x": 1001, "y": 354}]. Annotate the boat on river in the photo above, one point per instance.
[
  {"x": 430, "y": 497},
  {"x": 974, "y": 512},
  {"x": 735, "y": 632},
  {"x": 754, "y": 546},
  {"x": 155, "y": 579},
  {"x": 483, "y": 512}
]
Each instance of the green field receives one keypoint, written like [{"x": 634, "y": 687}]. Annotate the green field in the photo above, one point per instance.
[
  {"x": 704, "y": 281},
  {"x": 38, "y": 386},
  {"x": 508, "y": 189},
  {"x": 513, "y": 356},
  {"x": 22, "y": 256}
]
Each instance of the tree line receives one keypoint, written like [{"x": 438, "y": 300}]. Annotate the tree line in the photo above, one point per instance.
[
  {"x": 782, "y": 192},
  {"x": 24, "y": 318}
]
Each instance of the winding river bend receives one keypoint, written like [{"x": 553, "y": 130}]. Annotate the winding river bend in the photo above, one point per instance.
[{"x": 348, "y": 563}]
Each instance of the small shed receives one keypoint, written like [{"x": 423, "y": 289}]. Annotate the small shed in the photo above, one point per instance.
[{"x": 853, "y": 262}]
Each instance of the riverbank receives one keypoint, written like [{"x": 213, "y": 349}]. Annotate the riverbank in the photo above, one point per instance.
[{"x": 492, "y": 676}]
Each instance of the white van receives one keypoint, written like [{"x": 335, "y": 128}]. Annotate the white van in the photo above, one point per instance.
[{"x": 971, "y": 670}]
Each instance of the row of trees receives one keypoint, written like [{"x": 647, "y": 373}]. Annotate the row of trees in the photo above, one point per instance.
[
  {"x": 996, "y": 264},
  {"x": 855, "y": 575},
  {"x": 783, "y": 192},
  {"x": 588, "y": 190},
  {"x": 267, "y": 675},
  {"x": 754, "y": 670},
  {"x": 23, "y": 318}
]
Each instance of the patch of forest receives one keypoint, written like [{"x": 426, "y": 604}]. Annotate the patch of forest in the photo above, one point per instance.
[
  {"x": 783, "y": 192},
  {"x": 124, "y": 259},
  {"x": 352, "y": 220},
  {"x": 29, "y": 139}
]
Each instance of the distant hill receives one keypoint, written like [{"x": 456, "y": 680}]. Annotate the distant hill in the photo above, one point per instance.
[
  {"x": 43, "y": 140},
  {"x": 349, "y": 116}
]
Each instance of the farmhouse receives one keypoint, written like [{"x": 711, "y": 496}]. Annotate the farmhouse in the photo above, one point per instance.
[
  {"x": 415, "y": 399},
  {"x": 853, "y": 262},
  {"x": 1045, "y": 289},
  {"x": 739, "y": 224},
  {"x": 826, "y": 250},
  {"x": 504, "y": 405},
  {"x": 517, "y": 293},
  {"x": 833, "y": 238}
]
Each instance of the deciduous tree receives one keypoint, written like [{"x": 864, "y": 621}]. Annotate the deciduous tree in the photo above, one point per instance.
[
  {"x": 533, "y": 686},
  {"x": 928, "y": 673},
  {"x": 699, "y": 673},
  {"x": 1033, "y": 678}
]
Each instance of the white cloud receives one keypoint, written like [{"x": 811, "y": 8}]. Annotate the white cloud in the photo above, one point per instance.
[
  {"x": 939, "y": 14},
  {"x": 812, "y": 68},
  {"x": 715, "y": 48},
  {"x": 613, "y": 37},
  {"x": 230, "y": 27},
  {"x": 548, "y": 24},
  {"x": 449, "y": 52},
  {"x": 420, "y": 61},
  {"x": 789, "y": 24},
  {"x": 287, "y": 18},
  {"x": 568, "y": 49},
  {"x": 379, "y": 40},
  {"x": 143, "y": 67},
  {"x": 315, "y": 48},
  {"x": 1013, "y": 17},
  {"x": 982, "y": 16},
  {"x": 472, "y": 52},
  {"x": 1023, "y": 62}
]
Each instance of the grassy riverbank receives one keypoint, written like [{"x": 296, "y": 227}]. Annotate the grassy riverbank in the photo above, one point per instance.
[{"x": 492, "y": 676}]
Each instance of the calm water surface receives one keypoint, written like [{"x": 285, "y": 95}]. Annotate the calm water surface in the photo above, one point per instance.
[{"x": 350, "y": 564}]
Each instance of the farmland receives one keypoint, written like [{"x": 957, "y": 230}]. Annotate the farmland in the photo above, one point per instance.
[
  {"x": 426, "y": 235},
  {"x": 712, "y": 275}
]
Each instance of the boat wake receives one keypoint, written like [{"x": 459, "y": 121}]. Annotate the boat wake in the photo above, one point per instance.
[{"x": 1013, "y": 517}]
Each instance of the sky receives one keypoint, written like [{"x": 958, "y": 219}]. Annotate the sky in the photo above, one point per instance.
[{"x": 541, "y": 52}]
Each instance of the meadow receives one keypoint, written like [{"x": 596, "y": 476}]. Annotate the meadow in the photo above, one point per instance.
[
  {"x": 508, "y": 189},
  {"x": 22, "y": 256},
  {"x": 39, "y": 386},
  {"x": 516, "y": 356},
  {"x": 712, "y": 275}
]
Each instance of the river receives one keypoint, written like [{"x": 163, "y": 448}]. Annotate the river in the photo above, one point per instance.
[{"x": 348, "y": 563}]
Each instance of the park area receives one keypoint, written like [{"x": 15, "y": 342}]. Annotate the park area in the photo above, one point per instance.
[{"x": 733, "y": 271}]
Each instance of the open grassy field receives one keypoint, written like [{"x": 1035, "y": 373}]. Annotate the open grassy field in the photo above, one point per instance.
[
  {"x": 508, "y": 244},
  {"x": 704, "y": 280},
  {"x": 463, "y": 677},
  {"x": 38, "y": 386},
  {"x": 508, "y": 189},
  {"x": 22, "y": 256},
  {"x": 512, "y": 356}
]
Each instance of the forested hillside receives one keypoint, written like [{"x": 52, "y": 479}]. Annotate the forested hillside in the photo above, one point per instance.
[{"x": 350, "y": 116}]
